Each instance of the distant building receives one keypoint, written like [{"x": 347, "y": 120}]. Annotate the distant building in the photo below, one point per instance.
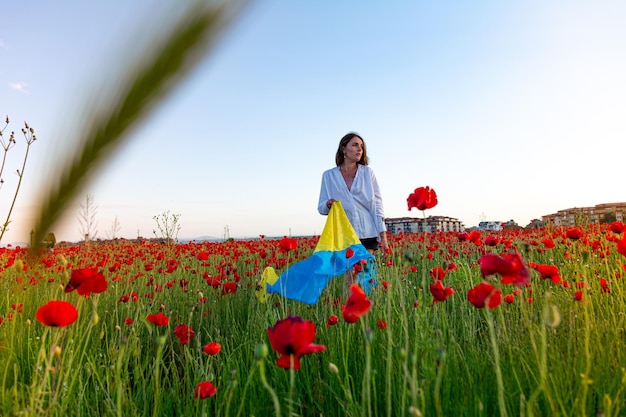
[
  {"x": 429, "y": 224},
  {"x": 601, "y": 213},
  {"x": 534, "y": 224},
  {"x": 491, "y": 226}
]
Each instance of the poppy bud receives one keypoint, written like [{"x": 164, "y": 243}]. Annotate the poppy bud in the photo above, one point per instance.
[
  {"x": 414, "y": 411},
  {"x": 333, "y": 368},
  {"x": 552, "y": 316},
  {"x": 260, "y": 351}
]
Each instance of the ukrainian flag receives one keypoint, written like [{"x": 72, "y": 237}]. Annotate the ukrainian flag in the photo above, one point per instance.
[{"x": 337, "y": 251}]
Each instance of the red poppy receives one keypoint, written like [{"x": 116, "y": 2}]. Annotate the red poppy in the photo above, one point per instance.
[
  {"x": 57, "y": 314},
  {"x": 204, "y": 390},
  {"x": 159, "y": 319},
  {"x": 475, "y": 237},
  {"x": 438, "y": 273},
  {"x": 349, "y": 253},
  {"x": 332, "y": 320},
  {"x": 617, "y": 227},
  {"x": 550, "y": 272},
  {"x": 358, "y": 267},
  {"x": 382, "y": 324},
  {"x": 229, "y": 288},
  {"x": 511, "y": 268},
  {"x": 184, "y": 333},
  {"x": 578, "y": 296},
  {"x": 287, "y": 244},
  {"x": 86, "y": 280},
  {"x": 509, "y": 298},
  {"x": 293, "y": 338},
  {"x": 574, "y": 233},
  {"x": 422, "y": 198},
  {"x": 439, "y": 292},
  {"x": 491, "y": 240},
  {"x": 357, "y": 305},
  {"x": 484, "y": 295},
  {"x": 621, "y": 246},
  {"x": 128, "y": 297},
  {"x": 548, "y": 243},
  {"x": 212, "y": 348}
]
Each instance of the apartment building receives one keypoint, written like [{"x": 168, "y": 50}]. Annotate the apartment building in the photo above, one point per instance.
[
  {"x": 600, "y": 213},
  {"x": 429, "y": 224}
]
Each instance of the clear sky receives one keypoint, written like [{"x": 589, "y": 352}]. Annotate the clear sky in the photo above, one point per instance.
[{"x": 509, "y": 110}]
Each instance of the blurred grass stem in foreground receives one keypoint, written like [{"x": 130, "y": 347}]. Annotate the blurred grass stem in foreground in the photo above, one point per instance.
[{"x": 147, "y": 80}]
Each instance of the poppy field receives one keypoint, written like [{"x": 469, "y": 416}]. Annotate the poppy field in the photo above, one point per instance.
[{"x": 518, "y": 322}]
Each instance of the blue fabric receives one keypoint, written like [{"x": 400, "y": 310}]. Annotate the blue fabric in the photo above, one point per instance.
[{"x": 306, "y": 280}]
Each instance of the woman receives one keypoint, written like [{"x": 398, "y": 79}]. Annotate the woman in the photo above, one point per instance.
[{"x": 354, "y": 184}]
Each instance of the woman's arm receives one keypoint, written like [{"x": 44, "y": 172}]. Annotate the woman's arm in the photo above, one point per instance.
[{"x": 323, "y": 205}]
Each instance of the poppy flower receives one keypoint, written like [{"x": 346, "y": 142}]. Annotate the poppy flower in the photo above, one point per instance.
[
  {"x": 204, "y": 390},
  {"x": 293, "y": 337},
  {"x": 229, "y": 288},
  {"x": 57, "y": 314},
  {"x": 422, "y": 198},
  {"x": 438, "y": 273},
  {"x": 133, "y": 296},
  {"x": 621, "y": 246},
  {"x": 511, "y": 268},
  {"x": 550, "y": 272},
  {"x": 484, "y": 295},
  {"x": 159, "y": 319},
  {"x": 439, "y": 292},
  {"x": 332, "y": 320},
  {"x": 492, "y": 240},
  {"x": 617, "y": 227},
  {"x": 382, "y": 324},
  {"x": 184, "y": 333},
  {"x": 287, "y": 244},
  {"x": 357, "y": 305},
  {"x": 475, "y": 237},
  {"x": 85, "y": 281},
  {"x": 212, "y": 348},
  {"x": 509, "y": 298},
  {"x": 574, "y": 233}
]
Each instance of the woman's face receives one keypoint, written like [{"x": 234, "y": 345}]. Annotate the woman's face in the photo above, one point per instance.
[{"x": 354, "y": 150}]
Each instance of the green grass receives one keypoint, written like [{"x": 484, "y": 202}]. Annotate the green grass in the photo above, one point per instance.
[{"x": 438, "y": 359}]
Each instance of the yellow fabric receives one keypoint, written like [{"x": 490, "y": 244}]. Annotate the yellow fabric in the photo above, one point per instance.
[
  {"x": 269, "y": 277},
  {"x": 338, "y": 233}
]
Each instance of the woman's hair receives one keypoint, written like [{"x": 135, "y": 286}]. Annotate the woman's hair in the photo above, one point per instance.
[{"x": 343, "y": 143}]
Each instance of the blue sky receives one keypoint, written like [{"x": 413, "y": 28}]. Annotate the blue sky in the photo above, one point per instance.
[{"x": 509, "y": 110}]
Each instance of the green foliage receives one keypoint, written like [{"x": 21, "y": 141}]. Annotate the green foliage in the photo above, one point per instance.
[
  {"x": 608, "y": 217},
  {"x": 543, "y": 354}
]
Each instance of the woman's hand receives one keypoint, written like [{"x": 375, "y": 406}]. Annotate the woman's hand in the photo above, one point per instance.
[
  {"x": 330, "y": 202},
  {"x": 383, "y": 243}
]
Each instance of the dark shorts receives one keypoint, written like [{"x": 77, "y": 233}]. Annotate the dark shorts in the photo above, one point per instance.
[{"x": 370, "y": 243}]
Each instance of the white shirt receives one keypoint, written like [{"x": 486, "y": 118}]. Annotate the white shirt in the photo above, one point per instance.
[{"x": 362, "y": 203}]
